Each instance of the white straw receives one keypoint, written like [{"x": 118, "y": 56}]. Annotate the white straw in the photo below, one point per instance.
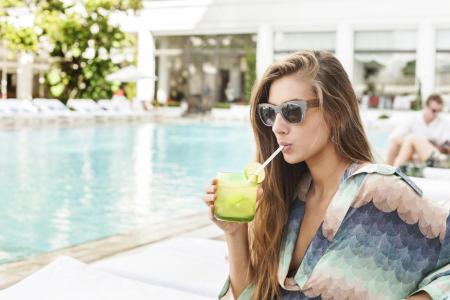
[{"x": 269, "y": 160}]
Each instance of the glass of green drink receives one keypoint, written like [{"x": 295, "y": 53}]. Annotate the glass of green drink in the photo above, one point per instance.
[
  {"x": 236, "y": 191},
  {"x": 235, "y": 197}
]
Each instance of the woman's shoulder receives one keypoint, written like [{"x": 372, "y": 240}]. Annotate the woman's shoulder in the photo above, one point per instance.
[
  {"x": 392, "y": 191},
  {"x": 383, "y": 178}
]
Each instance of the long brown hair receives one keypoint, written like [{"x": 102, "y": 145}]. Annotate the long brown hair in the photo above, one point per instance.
[{"x": 341, "y": 114}]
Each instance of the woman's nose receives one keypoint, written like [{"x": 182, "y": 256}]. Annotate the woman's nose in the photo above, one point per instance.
[{"x": 280, "y": 126}]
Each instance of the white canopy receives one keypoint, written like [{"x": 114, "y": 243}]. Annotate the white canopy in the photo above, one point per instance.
[{"x": 128, "y": 74}]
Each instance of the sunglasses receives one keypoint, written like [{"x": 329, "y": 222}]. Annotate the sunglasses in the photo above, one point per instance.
[
  {"x": 435, "y": 111},
  {"x": 292, "y": 111}
]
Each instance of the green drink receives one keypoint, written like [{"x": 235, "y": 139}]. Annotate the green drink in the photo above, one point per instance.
[
  {"x": 236, "y": 197},
  {"x": 236, "y": 192}
]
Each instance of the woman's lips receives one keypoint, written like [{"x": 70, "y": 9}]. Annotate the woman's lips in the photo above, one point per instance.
[{"x": 286, "y": 148}]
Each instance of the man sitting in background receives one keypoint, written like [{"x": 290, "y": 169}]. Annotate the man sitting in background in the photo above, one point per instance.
[
  {"x": 425, "y": 151},
  {"x": 428, "y": 125}
]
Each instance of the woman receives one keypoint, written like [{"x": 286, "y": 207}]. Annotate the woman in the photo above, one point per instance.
[
  {"x": 434, "y": 155},
  {"x": 329, "y": 223}
]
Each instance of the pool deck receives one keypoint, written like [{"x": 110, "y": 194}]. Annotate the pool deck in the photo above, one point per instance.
[{"x": 197, "y": 225}]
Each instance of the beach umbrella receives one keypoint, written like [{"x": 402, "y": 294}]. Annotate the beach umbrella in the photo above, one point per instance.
[{"x": 128, "y": 74}]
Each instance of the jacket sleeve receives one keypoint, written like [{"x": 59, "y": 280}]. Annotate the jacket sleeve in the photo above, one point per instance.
[
  {"x": 437, "y": 282},
  {"x": 227, "y": 294}
]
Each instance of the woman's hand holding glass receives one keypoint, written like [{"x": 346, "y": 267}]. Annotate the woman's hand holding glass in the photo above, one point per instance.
[{"x": 209, "y": 198}]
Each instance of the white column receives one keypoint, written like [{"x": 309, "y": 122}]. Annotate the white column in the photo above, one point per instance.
[
  {"x": 3, "y": 81},
  {"x": 25, "y": 76},
  {"x": 264, "y": 49},
  {"x": 345, "y": 47},
  {"x": 426, "y": 58},
  {"x": 163, "y": 74},
  {"x": 146, "y": 64},
  {"x": 235, "y": 80}
]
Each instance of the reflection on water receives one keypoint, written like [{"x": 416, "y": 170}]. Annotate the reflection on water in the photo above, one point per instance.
[{"x": 65, "y": 186}]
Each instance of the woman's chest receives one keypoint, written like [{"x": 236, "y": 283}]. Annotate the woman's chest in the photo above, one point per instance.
[{"x": 309, "y": 226}]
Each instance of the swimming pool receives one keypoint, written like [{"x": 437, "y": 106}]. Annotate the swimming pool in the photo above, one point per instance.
[{"x": 65, "y": 186}]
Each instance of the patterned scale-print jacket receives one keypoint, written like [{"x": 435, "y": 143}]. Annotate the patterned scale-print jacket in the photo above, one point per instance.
[{"x": 380, "y": 239}]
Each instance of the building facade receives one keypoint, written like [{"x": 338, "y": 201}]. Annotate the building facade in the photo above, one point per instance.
[
  {"x": 207, "y": 48},
  {"x": 387, "y": 47}
]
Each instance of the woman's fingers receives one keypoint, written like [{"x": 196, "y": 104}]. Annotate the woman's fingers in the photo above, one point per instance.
[
  {"x": 211, "y": 213},
  {"x": 209, "y": 199},
  {"x": 211, "y": 189}
]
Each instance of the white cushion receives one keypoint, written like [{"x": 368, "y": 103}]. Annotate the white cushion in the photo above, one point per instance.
[
  {"x": 433, "y": 189},
  {"x": 194, "y": 265},
  {"x": 68, "y": 279}
]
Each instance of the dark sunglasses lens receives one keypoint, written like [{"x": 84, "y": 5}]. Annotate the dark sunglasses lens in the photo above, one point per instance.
[
  {"x": 293, "y": 113},
  {"x": 267, "y": 115}
]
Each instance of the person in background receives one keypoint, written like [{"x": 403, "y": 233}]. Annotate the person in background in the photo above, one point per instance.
[
  {"x": 120, "y": 93},
  {"x": 428, "y": 125},
  {"x": 425, "y": 151}
]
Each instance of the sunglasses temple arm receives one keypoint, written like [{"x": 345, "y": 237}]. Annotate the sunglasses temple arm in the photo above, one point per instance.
[{"x": 313, "y": 103}]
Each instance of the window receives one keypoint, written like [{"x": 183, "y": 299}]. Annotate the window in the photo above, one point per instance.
[
  {"x": 289, "y": 42},
  {"x": 443, "y": 60},
  {"x": 385, "y": 62}
]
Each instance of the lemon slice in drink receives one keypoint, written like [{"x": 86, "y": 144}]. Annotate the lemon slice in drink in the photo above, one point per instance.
[{"x": 250, "y": 172}]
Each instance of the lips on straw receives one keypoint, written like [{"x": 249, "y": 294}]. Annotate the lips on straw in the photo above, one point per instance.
[{"x": 268, "y": 160}]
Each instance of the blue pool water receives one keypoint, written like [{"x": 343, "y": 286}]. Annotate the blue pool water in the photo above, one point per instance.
[{"x": 66, "y": 186}]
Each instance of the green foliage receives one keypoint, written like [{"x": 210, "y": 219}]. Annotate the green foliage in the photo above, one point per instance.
[
  {"x": 383, "y": 116},
  {"x": 173, "y": 103},
  {"x": 8, "y": 4},
  {"x": 417, "y": 104},
  {"x": 21, "y": 39},
  {"x": 130, "y": 90},
  {"x": 371, "y": 88},
  {"x": 371, "y": 68},
  {"x": 250, "y": 74},
  {"x": 223, "y": 105},
  {"x": 17, "y": 39},
  {"x": 409, "y": 70},
  {"x": 80, "y": 39},
  {"x": 82, "y": 42}
]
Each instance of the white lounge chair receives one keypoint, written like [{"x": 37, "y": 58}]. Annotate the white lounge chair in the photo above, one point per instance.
[
  {"x": 22, "y": 111},
  {"x": 121, "y": 104},
  {"x": 6, "y": 116},
  {"x": 110, "y": 107},
  {"x": 68, "y": 279},
  {"x": 123, "y": 108},
  {"x": 89, "y": 109},
  {"x": 54, "y": 111},
  {"x": 106, "y": 105}
]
